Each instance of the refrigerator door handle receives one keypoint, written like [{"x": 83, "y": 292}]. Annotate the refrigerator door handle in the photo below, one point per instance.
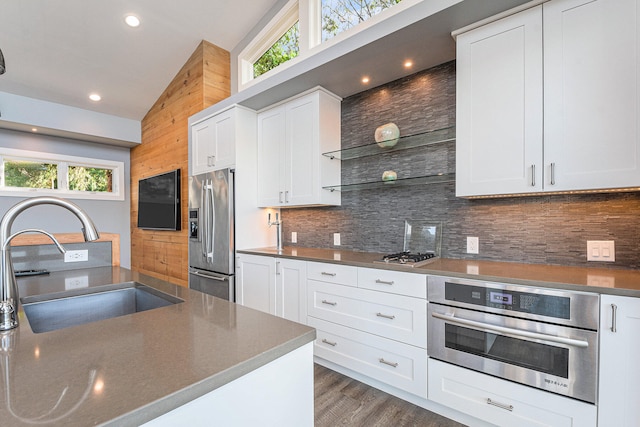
[
  {"x": 209, "y": 276},
  {"x": 203, "y": 225},
  {"x": 209, "y": 220}
]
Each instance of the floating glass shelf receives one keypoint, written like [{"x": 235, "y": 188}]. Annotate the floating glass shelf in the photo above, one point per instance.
[
  {"x": 420, "y": 180},
  {"x": 404, "y": 143}
]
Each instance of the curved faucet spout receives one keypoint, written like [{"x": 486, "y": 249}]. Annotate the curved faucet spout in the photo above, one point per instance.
[{"x": 9, "y": 299}]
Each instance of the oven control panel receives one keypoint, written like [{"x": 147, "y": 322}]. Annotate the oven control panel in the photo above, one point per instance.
[{"x": 523, "y": 302}]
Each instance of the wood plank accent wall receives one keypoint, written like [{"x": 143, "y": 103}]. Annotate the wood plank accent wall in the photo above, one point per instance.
[{"x": 204, "y": 80}]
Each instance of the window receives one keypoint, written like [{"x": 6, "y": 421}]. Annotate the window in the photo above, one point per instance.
[
  {"x": 340, "y": 15},
  {"x": 26, "y": 173},
  {"x": 286, "y": 48},
  {"x": 300, "y": 27}
]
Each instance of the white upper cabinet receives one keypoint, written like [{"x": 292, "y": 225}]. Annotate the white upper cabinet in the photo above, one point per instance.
[
  {"x": 548, "y": 100},
  {"x": 591, "y": 95},
  {"x": 499, "y": 107},
  {"x": 213, "y": 140},
  {"x": 291, "y": 139}
]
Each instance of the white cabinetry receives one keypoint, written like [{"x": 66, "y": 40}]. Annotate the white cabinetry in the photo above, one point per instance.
[
  {"x": 274, "y": 285},
  {"x": 619, "y": 385},
  {"x": 379, "y": 333},
  {"x": 589, "y": 82},
  {"x": 213, "y": 140},
  {"x": 499, "y": 107},
  {"x": 291, "y": 139},
  {"x": 256, "y": 282},
  {"x": 504, "y": 403}
]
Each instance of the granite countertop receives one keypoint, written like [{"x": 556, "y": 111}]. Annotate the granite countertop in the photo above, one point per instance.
[
  {"x": 131, "y": 369},
  {"x": 590, "y": 279}
]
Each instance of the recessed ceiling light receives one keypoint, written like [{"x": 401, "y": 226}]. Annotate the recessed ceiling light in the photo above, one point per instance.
[
  {"x": 34, "y": 129},
  {"x": 95, "y": 97},
  {"x": 132, "y": 20},
  {"x": 365, "y": 80},
  {"x": 408, "y": 64}
]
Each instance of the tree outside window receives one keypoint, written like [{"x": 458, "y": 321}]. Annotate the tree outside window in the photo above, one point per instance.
[
  {"x": 26, "y": 174},
  {"x": 340, "y": 15},
  {"x": 286, "y": 48}
]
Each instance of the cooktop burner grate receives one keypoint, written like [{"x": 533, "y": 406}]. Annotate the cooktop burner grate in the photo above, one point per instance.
[{"x": 410, "y": 259}]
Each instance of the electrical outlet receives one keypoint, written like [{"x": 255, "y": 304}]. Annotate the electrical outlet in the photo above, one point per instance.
[
  {"x": 601, "y": 250},
  {"x": 473, "y": 245},
  {"x": 336, "y": 239},
  {"x": 294, "y": 237},
  {"x": 76, "y": 256},
  {"x": 76, "y": 282}
]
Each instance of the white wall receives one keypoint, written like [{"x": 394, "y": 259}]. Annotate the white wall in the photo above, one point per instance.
[{"x": 108, "y": 216}]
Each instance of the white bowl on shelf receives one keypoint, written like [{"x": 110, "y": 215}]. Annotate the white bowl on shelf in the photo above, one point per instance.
[{"x": 387, "y": 136}]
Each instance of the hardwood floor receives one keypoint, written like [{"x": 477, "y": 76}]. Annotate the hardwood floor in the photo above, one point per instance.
[{"x": 343, "y": 401}]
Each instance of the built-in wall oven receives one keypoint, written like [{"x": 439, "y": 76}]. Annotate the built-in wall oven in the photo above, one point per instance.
[{"x": 544, "y": 338}]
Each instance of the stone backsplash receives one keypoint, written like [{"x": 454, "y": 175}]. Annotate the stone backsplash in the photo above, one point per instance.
[{"x": 536, "y": 229}]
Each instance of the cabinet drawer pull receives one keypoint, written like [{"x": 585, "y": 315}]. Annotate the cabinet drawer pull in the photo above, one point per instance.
[
  {"x": 614, "y": 315},
  {"x": 386, "y": 316},
  {"x": 392, "y": 364},
  {"x": 500, "y": 405},
  {"x": 533, "y": 175},
  {"x": 384, "y": 282},
  {"x": 553, "y": 174},
  {"x": 332, "y": 344},
  {"x": 324, "y": 301},
  {"x": 324, "y": 273}
]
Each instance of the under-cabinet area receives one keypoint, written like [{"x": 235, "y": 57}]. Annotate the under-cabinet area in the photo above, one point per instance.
[{"x": 382, "y": 326}]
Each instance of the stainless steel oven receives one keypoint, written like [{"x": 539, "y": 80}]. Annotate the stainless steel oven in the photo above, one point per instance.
[{"x": 543, "y": 338}]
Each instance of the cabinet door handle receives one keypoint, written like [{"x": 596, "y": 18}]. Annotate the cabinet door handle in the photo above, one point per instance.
[
  {"x": 324, "y": 301},
  {"x": 614, "y": 315},
  {"x": 553, "y": 174},
  {"x": 386, "y": 316},
  {"x": 324, "y": 273},
  {"x": 386, "y": 362},
  {"x": 384, "y": 282},
  {"x": 500, "y": 405},
  {"x": 286, "y": 196},
  {"x": 331, "y": 343},
  {"x": 277, "y": 268},
  {"x": 533, "y": 175},
  {"x": 280, "y": 197}
]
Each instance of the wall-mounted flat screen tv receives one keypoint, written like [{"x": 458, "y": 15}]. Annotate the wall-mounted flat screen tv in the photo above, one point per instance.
[{"x": 159, "y": 201}]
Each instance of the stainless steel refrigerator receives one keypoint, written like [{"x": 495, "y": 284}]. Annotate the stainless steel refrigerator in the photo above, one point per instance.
[{"x": 211, "y": 233}]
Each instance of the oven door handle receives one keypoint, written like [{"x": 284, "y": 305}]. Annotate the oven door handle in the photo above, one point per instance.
[{"x": 511, "y": 331}]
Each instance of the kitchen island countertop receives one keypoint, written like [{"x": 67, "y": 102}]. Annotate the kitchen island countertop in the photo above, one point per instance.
[
  {"x": 590, "y": 279},
  {"x": 131, "y": 369}
]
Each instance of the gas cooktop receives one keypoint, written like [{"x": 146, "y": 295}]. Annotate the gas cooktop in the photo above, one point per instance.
[{"x": 409, "y": 259}]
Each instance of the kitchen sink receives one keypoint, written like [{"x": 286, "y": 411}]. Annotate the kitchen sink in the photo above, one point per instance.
[{"x": 57, "y": 311}]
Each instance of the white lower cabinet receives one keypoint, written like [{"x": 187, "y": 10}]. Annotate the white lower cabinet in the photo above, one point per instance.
[
  {"x": 256, "y": 282},
  {"x": 394, "y": 363},
  {"x": 366, "y": 323},
  {"x": 291, "y": 289},
  {"x": 391, "y": 316},
  {"x": 619, "y": 385},
  {"x": 504, "y": 403},
  {"x": 274, "y": 285}
]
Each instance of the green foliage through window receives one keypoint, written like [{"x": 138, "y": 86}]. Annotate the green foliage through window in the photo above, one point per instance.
[
  {"x": 340, "y": 15},
  {"x": 286, "y": 48},
  {"x": 90, "y": 179},
  {"x": 25, "y": 174}
]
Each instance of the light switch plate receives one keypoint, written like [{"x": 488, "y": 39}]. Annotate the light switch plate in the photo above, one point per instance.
[
  {"x": 294, "y": 237},
  {"x": 601, "y": 250},
  {"x": 336, "y": 239}
]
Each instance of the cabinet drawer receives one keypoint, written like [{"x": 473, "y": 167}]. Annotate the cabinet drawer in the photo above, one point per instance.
[
  {"x": 502, "y": 402},
  {"x": 391, "y": 316},
  {"x": 395, "y": 282},
  {"x": 332, "y": 273},
  {"x": 399, "y": 365}
]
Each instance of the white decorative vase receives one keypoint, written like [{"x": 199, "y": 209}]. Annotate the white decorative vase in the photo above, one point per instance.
[{"x": 387, "y": 135}]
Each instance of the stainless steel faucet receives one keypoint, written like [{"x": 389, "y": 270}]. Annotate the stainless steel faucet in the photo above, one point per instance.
[
  {"x": 9, "y": 299},
  {"x": 278, "y": 224}
]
